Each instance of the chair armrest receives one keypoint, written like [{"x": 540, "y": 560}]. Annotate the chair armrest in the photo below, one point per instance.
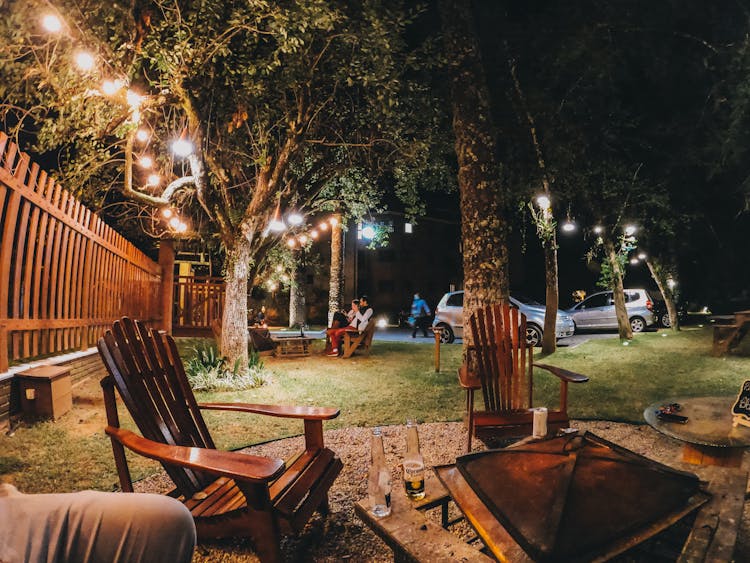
[
  {"x": 241, "y": 467},
  {"x": 468, "y": 379},
  {"x": 307, "y": 413},
  {"x": 564, "y": 374}
]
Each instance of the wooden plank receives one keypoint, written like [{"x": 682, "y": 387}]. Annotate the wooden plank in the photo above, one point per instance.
[
  {"x": 714, "y": 533},
  {"x": 412, "y": 537}
]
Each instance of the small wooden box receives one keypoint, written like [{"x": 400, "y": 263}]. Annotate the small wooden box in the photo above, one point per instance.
[{"x": 45, "y": 392}]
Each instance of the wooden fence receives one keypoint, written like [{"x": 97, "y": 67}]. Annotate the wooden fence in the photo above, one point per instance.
[{"x": 65, "y": 276}]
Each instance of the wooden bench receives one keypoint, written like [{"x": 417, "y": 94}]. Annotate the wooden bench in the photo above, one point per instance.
[
  {"x": 358, "y": 340},
  {"x": 728, "y": 336}
]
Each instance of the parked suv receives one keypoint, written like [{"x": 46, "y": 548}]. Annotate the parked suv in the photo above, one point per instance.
[
  {"x": 449, "y": 315},
  {"x": 598, "y": 310}
]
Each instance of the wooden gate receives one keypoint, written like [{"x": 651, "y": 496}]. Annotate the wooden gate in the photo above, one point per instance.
[{"x": 198, "y": 300}]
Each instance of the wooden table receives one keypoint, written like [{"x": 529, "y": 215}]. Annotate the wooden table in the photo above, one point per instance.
[
  {"x": 411, "y": 535},
  {"x": 708, "y": 437},
  {"x": 293, "y": 345}
]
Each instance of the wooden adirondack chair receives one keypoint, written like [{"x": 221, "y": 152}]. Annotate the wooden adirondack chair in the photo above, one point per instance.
[
  {"x": 229, "y": 493},
  {"x": 500, "y": 363}
]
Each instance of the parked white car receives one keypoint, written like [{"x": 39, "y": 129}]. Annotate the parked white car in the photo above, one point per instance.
[
  {"x": 449, "y": 315},
  {"x": 598, "y": 311}
]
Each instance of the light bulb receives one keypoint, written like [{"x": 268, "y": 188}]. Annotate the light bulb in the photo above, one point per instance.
[
  {"x": 568, "y": 226},
  {"x": 111, "y": 87},
  {"x": 302, "y": 239},
  {"x": 167, "y": 212},
  {"x": 141, "y": 135},
  {"x": 153, "y": 180},
  {"x": 334, "y": 221},
  {"x": 543, "y": 202},
  {"x": 295, "y": 219},
  {"x": 630, "y": 230},
  {"x": 276, "y": 225},
  {"x": 51, "y": 23},
  {"x": 134, "y": 99},
  {"x": 183, "y": 148},
  {"x": 314, "y": 234},
  {"x": 174, "y": 222},
  {"x": 598, "y": 230},
  {"x": 291, "y": 242},
  {"x": 85, "y": 61},
  {"x": 146, "y": 162},
  {"x": 323, "y": 226}
]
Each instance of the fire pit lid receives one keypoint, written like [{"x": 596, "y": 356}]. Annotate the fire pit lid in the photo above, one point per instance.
[{"x": 579, "y": 497}]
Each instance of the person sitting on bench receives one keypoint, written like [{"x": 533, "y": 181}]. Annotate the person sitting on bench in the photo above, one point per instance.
[
  {"x": 92, "y": 526},
  {"x": 362, "y": 314}
]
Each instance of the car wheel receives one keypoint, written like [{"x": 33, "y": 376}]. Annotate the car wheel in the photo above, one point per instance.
[
  {"x": 637, "y": 324},
  {"x": 533, "y": 335},
  {"x": 446, "y": 335},
  {"x": 666, "y": 322}
]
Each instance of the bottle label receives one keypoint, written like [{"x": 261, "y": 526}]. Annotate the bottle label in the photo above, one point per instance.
[{"x": 414, "y": 479}]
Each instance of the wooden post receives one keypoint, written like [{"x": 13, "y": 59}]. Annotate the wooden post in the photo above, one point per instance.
[
  {"x": 437, "y": 330},
  {"x": 3, "y": 349},
  {"x": 166, "y": 261}
]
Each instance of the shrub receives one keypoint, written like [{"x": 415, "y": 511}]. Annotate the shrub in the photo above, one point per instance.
[{"x": 207, "y": 371}]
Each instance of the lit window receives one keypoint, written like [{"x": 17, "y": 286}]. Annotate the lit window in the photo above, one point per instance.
[{"x": 408, "y": 228}]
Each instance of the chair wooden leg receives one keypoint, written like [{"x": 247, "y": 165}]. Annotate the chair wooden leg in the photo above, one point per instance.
[
  {"x": 324, "y": 507},
  {"x": 266, "y": 538},
  {"x": 470, "y": 412}
]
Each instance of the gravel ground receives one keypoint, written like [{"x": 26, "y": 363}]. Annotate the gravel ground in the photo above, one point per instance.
[{"x": 343, "y": 537}]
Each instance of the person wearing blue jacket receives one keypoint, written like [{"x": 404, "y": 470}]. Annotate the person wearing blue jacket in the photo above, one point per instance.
[{"x": 421, "y": 313}]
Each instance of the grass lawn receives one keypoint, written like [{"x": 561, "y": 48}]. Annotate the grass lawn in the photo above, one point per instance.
[{"x": 395, "y": 382}]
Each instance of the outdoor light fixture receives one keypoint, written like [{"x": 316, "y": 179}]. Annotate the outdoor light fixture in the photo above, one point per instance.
[
  {"x": 630, "y": 230},
  {"x": 134, "y": 99},
  {"x": 598, "y": 230},
  {"x": 51, "y": 23},
  {"x": 85, "y": 61},
  {"x": 313, "y": 234},
  {"x": 295, "y": 219},
  {"x": 334, "y": 221},
  {"x": 671, "y": 285},
  {"x": 408, "y": 228},
  {"x": 634, "y": 261},
  {"x": 276, "y": 224},
  {"x": 181, "y": 227},
  {"x": 302, "y": 239},
  {"x": 323, "y": 226},
  {"x": 141, "y": 135},
  {"x": 174, "y": 222},
  {"x": 146, "y": 162},
  {"x": 291, "y": 242},
  {"x": 166, "y": 213},
  {"x": 543, "y": 202},
  {"x": 568, "y": 226},
  {"x": 182, "y": 148},
  {"x": 382, "y": 322},
  {"x": 368, "y": 232},
  {"x": 642, "y": 256},
  {"x": 153, "y": 180}
]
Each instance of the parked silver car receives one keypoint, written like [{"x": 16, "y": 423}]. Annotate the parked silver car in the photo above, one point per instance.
[
  {"x": 598, "y": 311},
  {"x": 449, "y": 315}
]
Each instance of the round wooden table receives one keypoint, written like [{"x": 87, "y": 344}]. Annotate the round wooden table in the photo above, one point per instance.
[{"x": 708, "y": 436}]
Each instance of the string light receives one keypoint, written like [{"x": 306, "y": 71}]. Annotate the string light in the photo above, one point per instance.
[
  {"x": 314, "y": 234},
  {"x": 334, "y": 221},
  {"x": 141, "y": 135},
  {"x": 182, "y": 147},
  {"x": 543, "y": 202},
  {"x": 153, "y": 180},
  {"x": 174, "y": 222},
  {"x": 598, "y": 230},
  {"x": 51, "y": 23},
  {"x": 568, "y": 226},
  {"x": 323, "y": 226},
  {"x": 111, "y": 87},
  {"x": 303, "y": 239},
  {"x": 146, "y": 162},
  {"x": 291, "y": 242},
  {"x": 642, "y": 256},
  {"x": 295, "y": 219},
  {"x": 85, "y": 61},
  {"x": 630, "y": 230},
  {"x": 134, "y": 99},
  {"x": 167, "y": 213}
]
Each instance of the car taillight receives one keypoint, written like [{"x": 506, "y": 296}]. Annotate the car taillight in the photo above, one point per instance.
[{"x": 649, "y": 305}]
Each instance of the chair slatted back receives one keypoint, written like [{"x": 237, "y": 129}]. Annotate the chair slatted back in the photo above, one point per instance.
[
  {"x": 503, "y": 358},
  {"x": 150, "y": 378}
]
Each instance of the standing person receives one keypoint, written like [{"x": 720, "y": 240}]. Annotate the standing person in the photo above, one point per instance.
[{"x": 421, "y": 313}]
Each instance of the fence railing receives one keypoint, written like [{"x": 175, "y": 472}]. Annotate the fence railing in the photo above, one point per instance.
[{"x": 65, "y": 275}]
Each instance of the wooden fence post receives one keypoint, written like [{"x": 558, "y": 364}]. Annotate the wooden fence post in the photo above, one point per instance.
[{"x": 166, "y": 261}]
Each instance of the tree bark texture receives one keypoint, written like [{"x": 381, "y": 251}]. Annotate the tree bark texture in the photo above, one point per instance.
[
  {"x": 336, "y": 284},
  {"x": 297, "y": 316},
  {"x": 483, "y": 228},
  {"x": 618, "y": 292},
  {"x": 234, "y": 333},
  {"x": 661, "y": 282},
  {"x": 549, "y": 339}
]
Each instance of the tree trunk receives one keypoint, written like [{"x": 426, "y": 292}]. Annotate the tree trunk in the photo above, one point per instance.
[
  {"x": 336, "y": 284},
  {"x": 297, "y": 316},
  {"x": 618, "y": 292},
  {"x": 549, "y": 340},
  {"x": 483, "y": 231},
  {"x": 234, "y": 333},
  {"x": 657, "y": 272}
]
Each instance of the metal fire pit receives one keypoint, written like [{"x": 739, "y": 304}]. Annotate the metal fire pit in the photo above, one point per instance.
[{"x": 571, "y": 498}]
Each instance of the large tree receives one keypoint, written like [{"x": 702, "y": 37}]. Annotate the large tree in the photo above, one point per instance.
[
  {"x": 277, "y": 99},
  {"x": 483, "y": 222}
]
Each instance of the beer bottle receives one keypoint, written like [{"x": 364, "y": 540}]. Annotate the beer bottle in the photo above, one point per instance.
[
  {"x": 413, "y": 463},
  {"x": 379, "y": 482}
]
